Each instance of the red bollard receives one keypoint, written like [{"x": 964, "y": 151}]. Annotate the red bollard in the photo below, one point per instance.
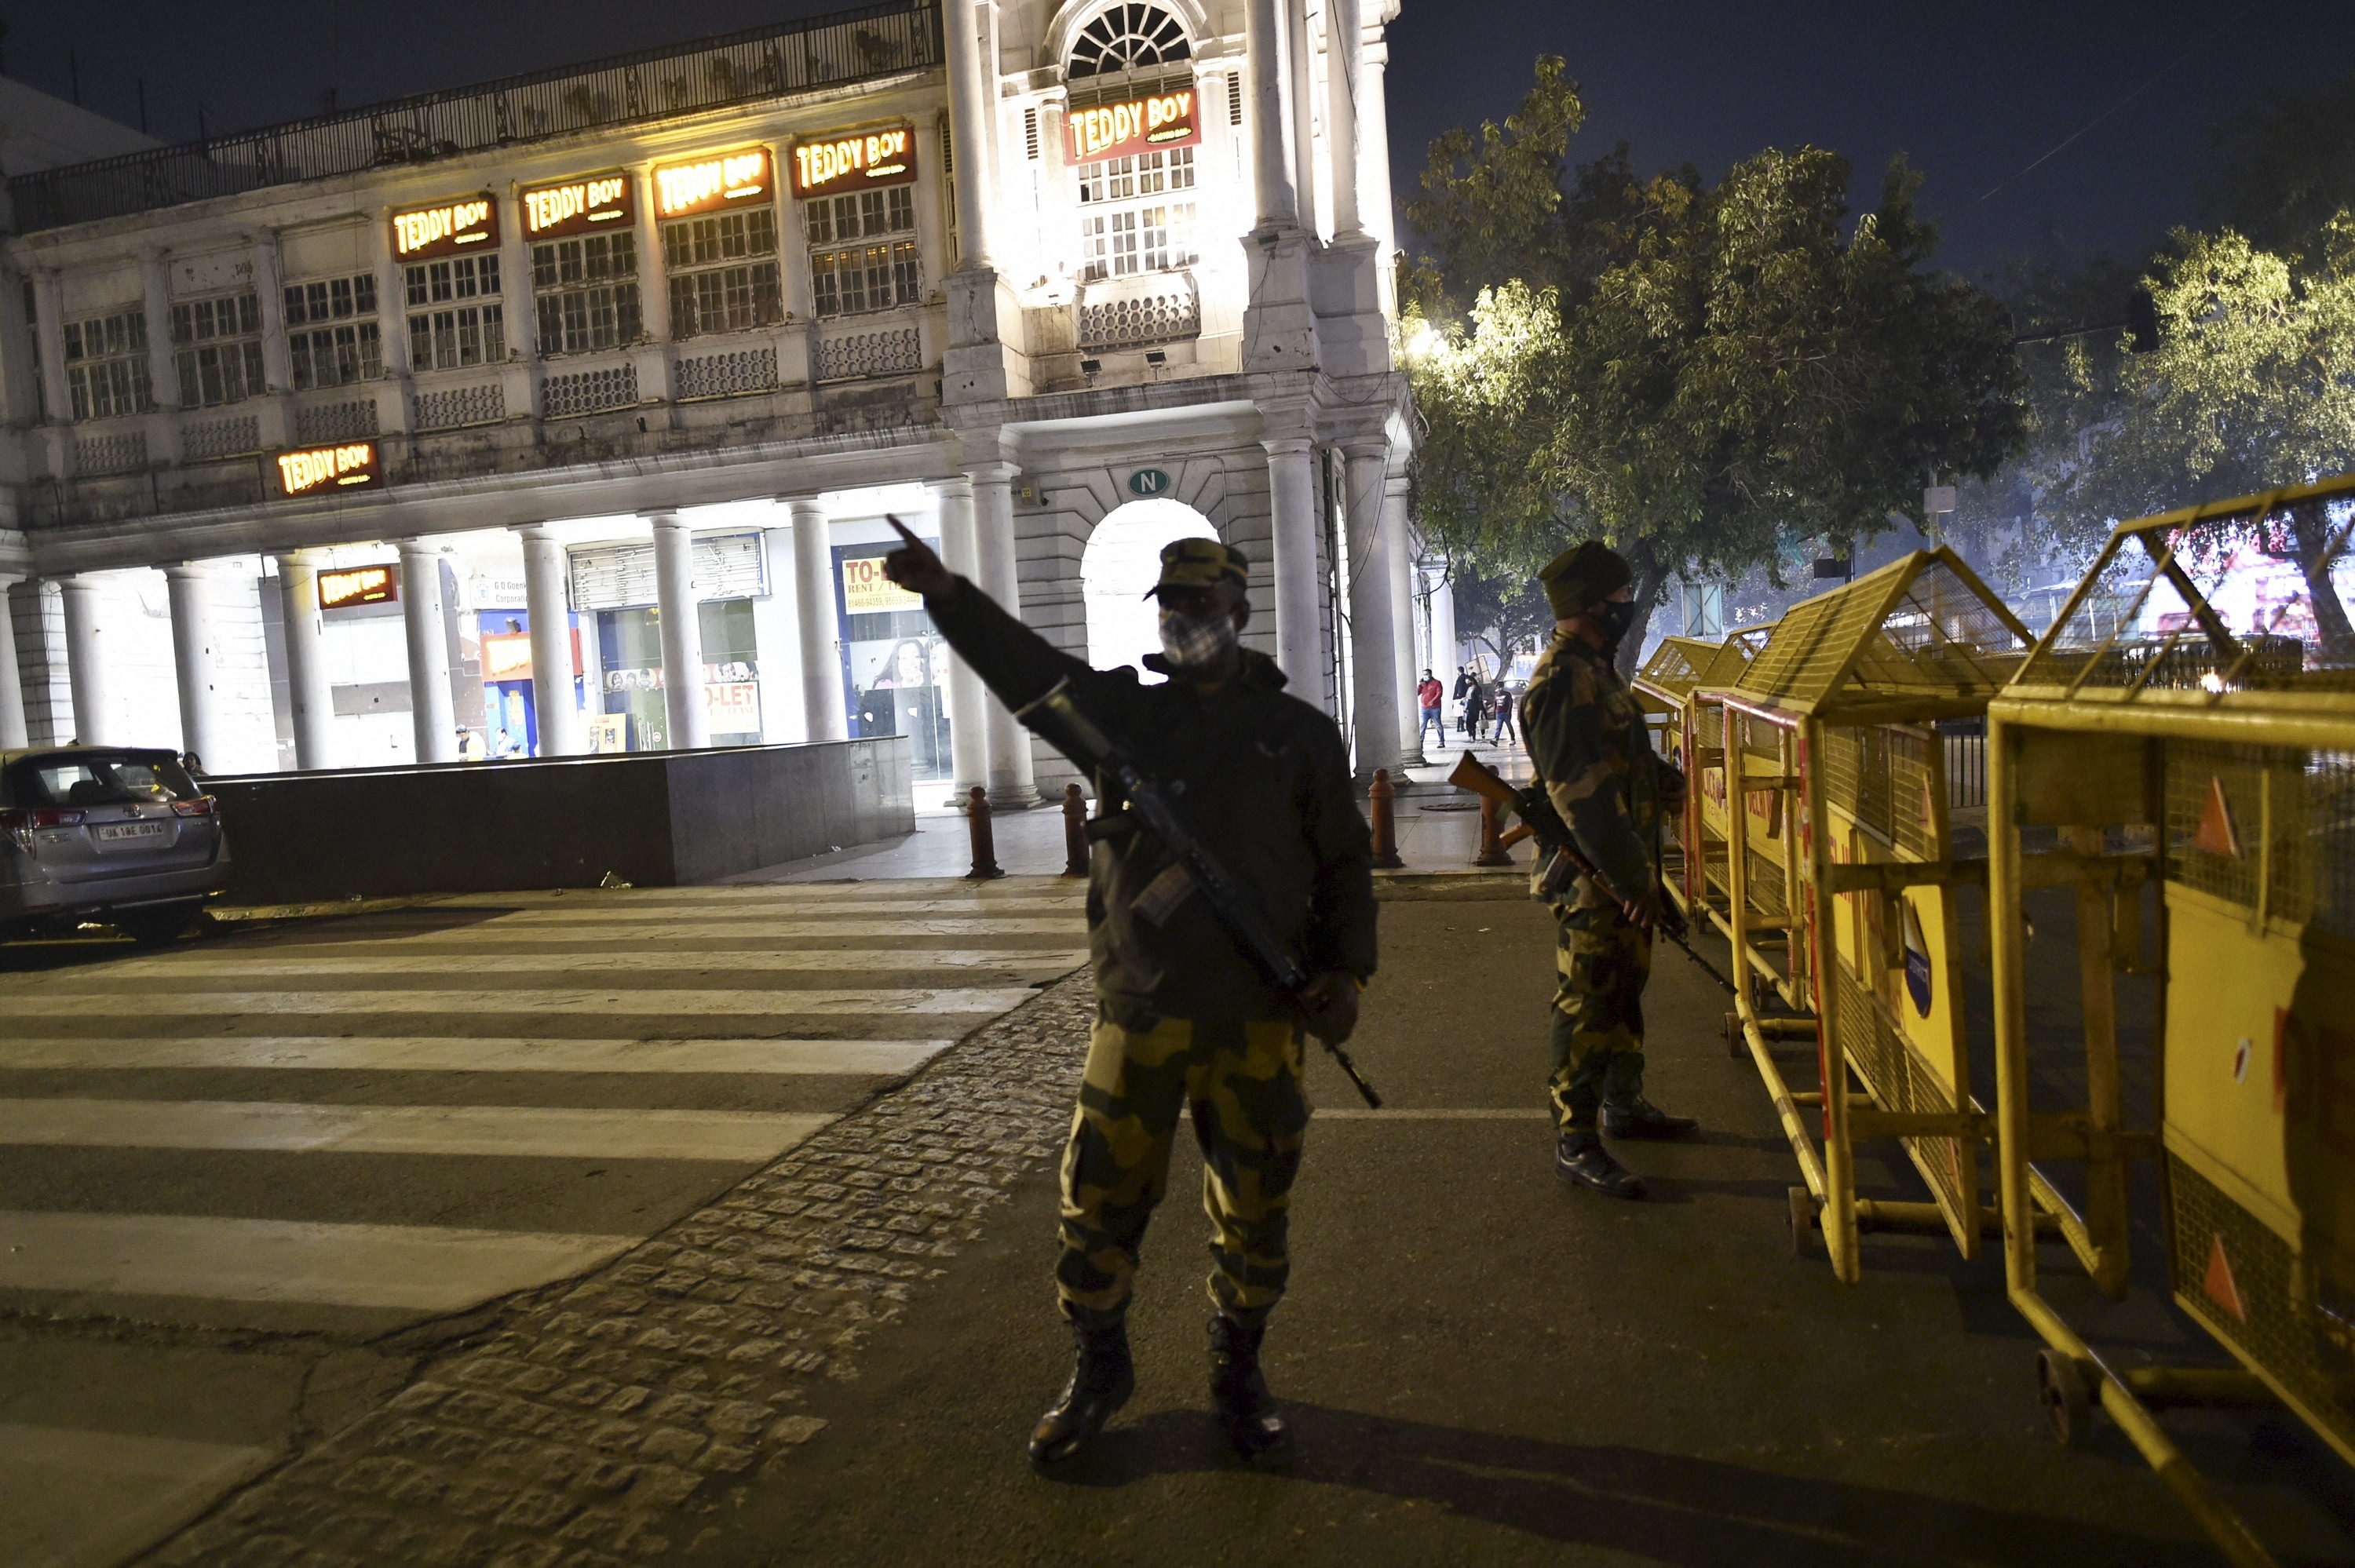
[
  {"x": 1492, "y": 839},
  {"x": 1075, "y": 831},
  {"x": 1380, "y": 795},
  {"x": 984, "y": 841}
]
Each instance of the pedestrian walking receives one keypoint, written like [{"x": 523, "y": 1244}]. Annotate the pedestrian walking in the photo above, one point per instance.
[
  {"x": 1186, "y": 1021},
  {"x": 1504, "y": 716},
  {"x": 1588, "y": 741},
  {"x": 1475, "y": 706},
  {"x": 1429, "y": 694}
]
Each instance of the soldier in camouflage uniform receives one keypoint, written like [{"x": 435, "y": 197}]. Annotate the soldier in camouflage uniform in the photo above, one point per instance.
[
  {"x": 1587, "y": 739},
  {"x": 1187, "y": 1024}
]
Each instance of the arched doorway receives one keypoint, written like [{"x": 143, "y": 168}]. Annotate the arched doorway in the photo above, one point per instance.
[{"x": 1122, "y": 560}]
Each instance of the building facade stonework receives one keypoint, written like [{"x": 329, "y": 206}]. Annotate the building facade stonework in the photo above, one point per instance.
[{"x": 564, "y": 413}]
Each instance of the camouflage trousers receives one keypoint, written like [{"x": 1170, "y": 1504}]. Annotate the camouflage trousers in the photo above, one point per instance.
[
  {"x": 1241, "y": 1084},
  {"x": 1600, "y": 962}
]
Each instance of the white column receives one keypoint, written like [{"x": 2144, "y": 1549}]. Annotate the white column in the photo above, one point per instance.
[
  {"x": 521, "y": 315},
  {"x": 429, "y": 711},
  {"x": 156, "y": 281},
  {"x": 968, "y": 698},
  {"x": 277, "y": 361},
  {"x": 85, "y": 660},
  {"x": 308, "y": 693},
  {"x": 554, "y": 694},
  {"x": 13, "y": 731},
  {"x": 1271, "y": 182},
  {"x": 970, "y": 106},
  {"x": 682, "y": 632},
  {"x": 1399, "y": 551},
  {"x": 1373, "y": 645},
  {"x": 1443, "y": 657},
  {"x": 1292, "y": 507},
  {"x": 1343, "y": 106},
  {"x": 813, "y": 616},
  {"x": 1296, "y": 75},
  {"x": 1012, "y": 780},
  {"x": 188, "y": 588},
  {"x": 392, "y": 300},
  {"x": 654, "y": 288},
  {"x": 49, "y": 336},
  {"x": 1374, "y": 148}
]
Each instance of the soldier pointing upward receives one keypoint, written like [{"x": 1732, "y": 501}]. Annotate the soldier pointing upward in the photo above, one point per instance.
[{"x": 1186, "y": 1021}]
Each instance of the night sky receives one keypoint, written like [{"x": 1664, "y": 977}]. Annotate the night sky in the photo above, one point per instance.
[{"x": 1973, "y": 93}]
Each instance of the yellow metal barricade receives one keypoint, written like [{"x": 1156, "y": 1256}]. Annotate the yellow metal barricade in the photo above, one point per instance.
[
  {"x": 1694, "y": 741},
  {"x": 1664, "y": 687},
  {"x": 1842, "y": 880},
  {"x": 2144, "y": 741}
]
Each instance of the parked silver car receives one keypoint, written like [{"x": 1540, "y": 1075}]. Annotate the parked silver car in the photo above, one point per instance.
[{"x": 114, "y": 834}]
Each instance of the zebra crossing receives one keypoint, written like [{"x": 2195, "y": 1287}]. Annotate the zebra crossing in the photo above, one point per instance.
[{"x": 348, "y": 1126}]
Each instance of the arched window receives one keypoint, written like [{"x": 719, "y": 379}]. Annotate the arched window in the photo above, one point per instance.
[{"x": 1125, "y": 37}]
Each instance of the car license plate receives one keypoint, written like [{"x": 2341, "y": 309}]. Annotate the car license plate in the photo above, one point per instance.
[{"x": 114, "y": 832}]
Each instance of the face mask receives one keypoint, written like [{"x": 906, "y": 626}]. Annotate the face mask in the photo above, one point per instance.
[
  {"x": 1618, "y": 620},
  {"x": 1192, "y": 644}
]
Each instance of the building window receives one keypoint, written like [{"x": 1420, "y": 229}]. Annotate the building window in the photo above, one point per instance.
[
  {"x": 723, "y": 271},
  {"x": 455, "y": 318},
  {"x": 1125, "y": 37},
  {"x": 586, "y": 291},
  {"x": 332, "y": 333},
  {"x": 106, "y": 366},
  {"x": 855, "y": 263},
  {"x": 217, "y": 346},
  {"x": 1128, "y": 222}
]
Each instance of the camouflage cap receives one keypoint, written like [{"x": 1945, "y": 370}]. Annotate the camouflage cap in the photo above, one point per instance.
[
  {"x": 1582, "y": 576},
  {"x": 1199, "y": 563}
]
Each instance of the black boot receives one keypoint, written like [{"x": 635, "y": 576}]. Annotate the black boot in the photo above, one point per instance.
[
  {"x": 1101, "y": 1383},
  {"x": 1580, "y": 1156},
  {"x": 1639, "y": 1118},
  {"x": 1247, "y": 1413}
]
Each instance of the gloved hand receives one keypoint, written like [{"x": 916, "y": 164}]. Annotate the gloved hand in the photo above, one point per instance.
[{"x": 1330, "y": 1006}]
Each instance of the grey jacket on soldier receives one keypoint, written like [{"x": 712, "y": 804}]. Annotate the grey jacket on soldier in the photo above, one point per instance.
[{"x": 1262, "y": 778}]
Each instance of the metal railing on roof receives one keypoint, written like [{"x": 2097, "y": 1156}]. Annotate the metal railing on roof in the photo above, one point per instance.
[{"x": 625, "y": 89}]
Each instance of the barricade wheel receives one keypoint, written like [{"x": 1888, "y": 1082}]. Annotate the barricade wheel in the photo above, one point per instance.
[
  {"x": 2068, "y": 1405},
  {"x": 1735, "y": 1046},
  {"x": 1803, "y": 1222}
]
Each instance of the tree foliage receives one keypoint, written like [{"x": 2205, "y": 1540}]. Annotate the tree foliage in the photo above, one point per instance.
[
  {"x": 1693, "y": 373},
  {"x": 2252, "y": 387}
]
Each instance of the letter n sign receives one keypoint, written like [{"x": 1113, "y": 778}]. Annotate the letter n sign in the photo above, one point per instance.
[{"x": 1149, "y": 482}]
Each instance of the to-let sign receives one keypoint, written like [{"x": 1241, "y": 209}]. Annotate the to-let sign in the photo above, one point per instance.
[
  {"x": 361, "y": 585},
  {"x": 470, "y": 223},
  {"x": 1140, "y": 125},
  {"x": 577, "y": 206},
  {"x": 867, "y": 591},
  {"x": 351, "y": 466},
  {"x": 708, "y": 185},
  {"x": 854, "y": 160}
]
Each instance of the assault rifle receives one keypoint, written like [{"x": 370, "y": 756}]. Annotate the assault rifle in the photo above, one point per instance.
[
  {"x": 1541, "y": 822},
  {"x": 1058, "y": 720}
]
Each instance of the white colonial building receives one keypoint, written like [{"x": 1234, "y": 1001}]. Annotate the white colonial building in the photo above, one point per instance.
[{"x": 564, "y": 413}]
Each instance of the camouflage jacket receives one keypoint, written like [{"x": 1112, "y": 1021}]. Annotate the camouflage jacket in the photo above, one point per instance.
[
  {"x": 1264, "y": 780},
  {"x": 1586, "y": 735}
]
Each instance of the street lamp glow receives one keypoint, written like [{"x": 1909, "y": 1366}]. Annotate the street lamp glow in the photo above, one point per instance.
[{"x": 1423, "y": 341}]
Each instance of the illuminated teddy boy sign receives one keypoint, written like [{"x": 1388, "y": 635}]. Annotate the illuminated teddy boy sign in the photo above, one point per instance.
[
  {"x": 471, "y": 223},
  {"x": 849, "y": 161},
  {"x": 550, "y": 212},
  {"x": 350, "y": 466},
  {"x": 708, "y": 185},
  {"x": 1140, "y": 125}
]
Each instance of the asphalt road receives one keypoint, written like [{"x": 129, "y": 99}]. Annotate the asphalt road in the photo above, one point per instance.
[
  {"x": 1485, "y": 1366},
  {"x": 247, "y": 1182}
]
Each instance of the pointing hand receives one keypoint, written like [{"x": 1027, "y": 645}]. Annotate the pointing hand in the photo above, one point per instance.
[{"x": 916, "y": 567}]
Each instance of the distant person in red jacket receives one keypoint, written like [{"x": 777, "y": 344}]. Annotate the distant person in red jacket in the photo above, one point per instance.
[{"x": 1429, "y": 694}]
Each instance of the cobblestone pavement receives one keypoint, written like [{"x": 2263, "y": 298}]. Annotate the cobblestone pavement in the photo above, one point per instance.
[{"x": 592, "y": 1422}]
